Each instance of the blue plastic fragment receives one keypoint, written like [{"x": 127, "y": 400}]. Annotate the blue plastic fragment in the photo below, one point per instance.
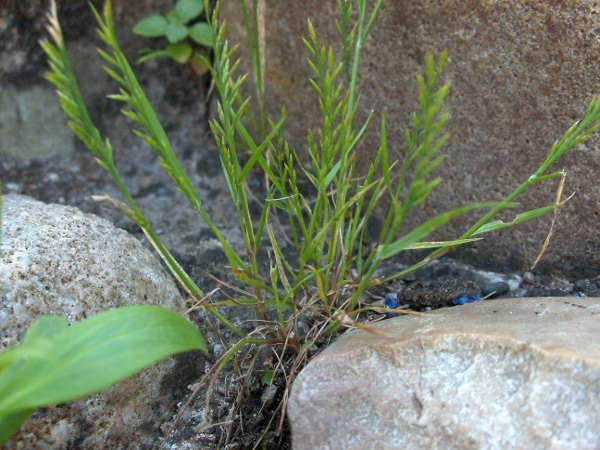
[
  {"x": 463, "y": 299},
  {"x": 391, "y": 302},
  {"x": 580, "y": 294}
]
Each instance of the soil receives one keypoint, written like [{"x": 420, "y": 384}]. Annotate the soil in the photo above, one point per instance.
[{"x": 244, "y": 411}]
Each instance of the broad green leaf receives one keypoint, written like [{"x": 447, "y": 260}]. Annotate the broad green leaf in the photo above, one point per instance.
[
  {"x": 94, "y": 355},
  {"x": 189, "y": 9},
  {"x": 11, "y": 423},
  {"x": 173, "y": 16},
  {"x": 151, "y": 26},
  {"x": 34, "y": 345},
  {"x": 179, "y": 52},
  {"x": 176, "y": 32},
  {"x": 46, "y": 327},
  {"x": 201, "y": 34}
]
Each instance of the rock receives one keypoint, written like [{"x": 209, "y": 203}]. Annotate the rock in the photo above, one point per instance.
[
  {"x": 57, "y": 260},
  {"x": 528, "y": 278},
  {"x": 521, "y": 73},
  {"x": 32, "y": 124},
  {"x": 512, "y": 373},
  {"x": 496, "y": 289}
]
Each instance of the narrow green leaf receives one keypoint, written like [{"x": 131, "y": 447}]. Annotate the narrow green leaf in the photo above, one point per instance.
[
  {"x": 148, "y": 56},
  {"x": 427, "y": 228},
  {"x": 520, "y": 218},
  {"x": 332, "y": 173},
  {"x": 151, "y": 26},
  {"x": 422, "y": 245},
  {"x": 257, "y": 152},
  {"x": 359, "y": 134}
]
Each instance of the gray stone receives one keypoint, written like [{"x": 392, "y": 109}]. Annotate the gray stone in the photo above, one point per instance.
[
  {"x": 521, "y": 73},
  {"x": 513, "y": 373},
  {"x": 57, "y": 260},
  {"x": 32, "y": 125}
]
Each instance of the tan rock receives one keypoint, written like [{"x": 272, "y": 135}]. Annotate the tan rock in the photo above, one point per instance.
[
  {"x": 513, "y": 373},
  {"x": 521, "y": 72}
]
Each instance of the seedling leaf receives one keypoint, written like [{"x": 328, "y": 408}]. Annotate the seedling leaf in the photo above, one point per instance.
[
  {"x": 200, "y": 64},
  {"x": 179, "y": 52},
  {"x": 176, "y": 32},
  {"x": 189, "y": 9},
  {"x": 201, "y": 34},
  {"x": 151, "y": 26}
]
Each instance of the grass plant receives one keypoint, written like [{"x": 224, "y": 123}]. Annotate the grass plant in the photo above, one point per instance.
[{"x": 334, "y": 263}]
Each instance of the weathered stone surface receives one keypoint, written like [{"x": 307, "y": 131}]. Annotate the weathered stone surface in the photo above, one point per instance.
[
  {"x": 515, "y": 373},
  {"x": 57, "y": 260},
  {"x": 32, "y": 125},
  {"x": 521, "y": 73}
]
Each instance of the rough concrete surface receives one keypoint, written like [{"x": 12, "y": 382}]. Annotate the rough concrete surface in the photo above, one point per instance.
[
  {"x": 57, "y": 260},
  {"x": 521, "y": 73},
  {"x": 514, "y": 373}
]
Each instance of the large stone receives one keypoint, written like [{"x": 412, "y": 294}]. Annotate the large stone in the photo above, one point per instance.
[
  {"x": 57, "y": 260},
  {"x": 521, "y": 73},
  {"x": 515, "y": 373}
]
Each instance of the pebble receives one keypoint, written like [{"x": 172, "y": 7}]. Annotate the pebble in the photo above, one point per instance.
[
  {"x": 581, "y": 286},
  {"x": 496, "y": 289},
  {"x": 529, "y": 278},
  {"x": 268, "y": 395},
  {"x": 519, "y": 293},
  {"x": 303, "y": 328}
]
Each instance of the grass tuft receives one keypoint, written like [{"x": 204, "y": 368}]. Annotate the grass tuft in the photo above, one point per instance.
[{"x": 334, "y": 262}]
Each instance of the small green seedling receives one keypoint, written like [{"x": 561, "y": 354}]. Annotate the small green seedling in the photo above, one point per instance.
[
  {"x": 56, "y": 363},
  {"x": 189, "y": 38}
]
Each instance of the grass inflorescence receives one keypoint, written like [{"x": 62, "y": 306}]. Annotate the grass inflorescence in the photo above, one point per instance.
[{"x": 334, "y": 262}]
